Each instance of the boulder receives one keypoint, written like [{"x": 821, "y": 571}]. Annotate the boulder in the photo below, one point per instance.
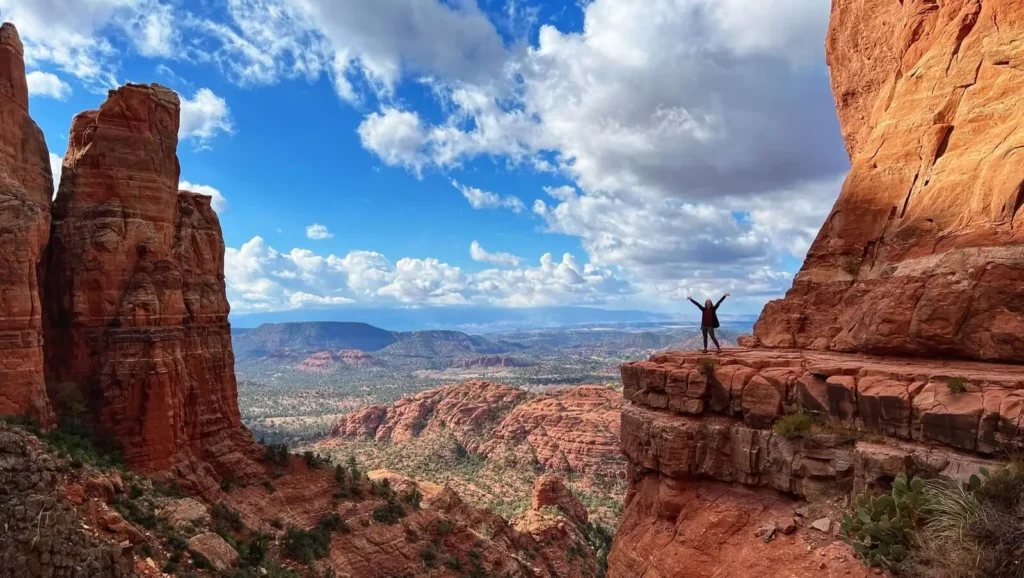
[{"x": 217, "y": 552}]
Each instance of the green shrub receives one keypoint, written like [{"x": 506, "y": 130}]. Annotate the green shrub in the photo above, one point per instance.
[
  {"x": 308, "y": 545},
  {"x": 794, "y": 425},
  {"x": 226, "y": 519},
  {"x": 413, "y": 498},
  {"x": 881, "y": 530},
  {"x": 76, "y": 440},
  {"x": 315, "y": 460},
  {"x": 429, "y": 555},
  {"x": 706, "y": 365},
  {"x": 276, "y": 454},
  {"x": 389, "y": 513},
  {"x": 956, "y": 385},
  {"x": 305, "y": 545}
]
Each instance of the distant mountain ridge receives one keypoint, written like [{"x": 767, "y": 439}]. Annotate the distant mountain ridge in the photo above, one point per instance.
[
  {"x": 468, "y": 319},
  {"x": 315, "y": 336}
]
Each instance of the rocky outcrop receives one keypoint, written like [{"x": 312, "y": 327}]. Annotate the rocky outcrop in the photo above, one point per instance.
[
  {"x": 468, "y": 410},
  {"x": 488, "y": 361},
  {"x": 327, "y": 362},
  {"x": 43, "y": 533},
  {"x": 923, "y": 252},
  {"x": 694, "y": 422},
  {"x": 921, "y": 260},
  {"x": 550, "y": 491},
  {"x": 26, "y": 187},
  {"x": 136, "y": 311},
  {"x": 572, "y": 430}
]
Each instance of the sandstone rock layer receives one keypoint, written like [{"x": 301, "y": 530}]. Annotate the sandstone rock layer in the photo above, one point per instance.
[
  {"x": 923, "y": 252},
  {"x": 26, "y": 187},
  {"x": 137, "y": 316}
]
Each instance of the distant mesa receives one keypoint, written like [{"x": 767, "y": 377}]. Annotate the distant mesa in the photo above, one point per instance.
[
  {"x": 301, "y": 339},
  {"x": 487, "y": 361},
  {"x": 331, "y": 361},
  {"x": 272, "y": 338}
]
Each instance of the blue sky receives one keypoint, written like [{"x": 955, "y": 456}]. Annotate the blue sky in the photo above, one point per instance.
[{"x": 506, "y": 153}]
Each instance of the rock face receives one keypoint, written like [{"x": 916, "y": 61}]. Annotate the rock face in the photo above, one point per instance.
[
  {"x": 26, "y": 187},
  {"x": 923, "y": 253},
  {"x": 136, "y": 312},
  {"x": 694, "y": 422},
  {"x": 63, "y": 545},
  {"x": 573, "y": 430}
]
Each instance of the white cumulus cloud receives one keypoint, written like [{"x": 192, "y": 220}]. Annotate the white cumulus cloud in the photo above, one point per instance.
[
  {"x": 478, "y": 253},
  {"x": 47, "y": 84},
  {"x": 480, "y": 199},
  {"x": 318, "y": 232},
  {"x": 218, "y": 202},
  {"x": 204, "y": 116}
]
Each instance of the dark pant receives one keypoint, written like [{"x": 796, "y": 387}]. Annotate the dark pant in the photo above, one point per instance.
[{"x": 709, "y": 331}]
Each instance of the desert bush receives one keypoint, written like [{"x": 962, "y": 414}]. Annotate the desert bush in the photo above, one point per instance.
[
  {"x": 850, "y": 264},
  {"x": 975, "y": 531},
  {"x": 794, "y": 425},
  {"x": 706, "y": 365},
  {"x": 881, "y": 530},
  {"x": 315, "y": 460},
  {"x": 276, "y": 454},
  {"x": 389, "y": 512},
  {"x": 226, "y": 519},
  {"x": 956, "y": 385}
]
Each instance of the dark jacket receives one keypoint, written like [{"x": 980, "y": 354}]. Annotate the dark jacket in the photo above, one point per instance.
[{"x": 709, "y": 315}]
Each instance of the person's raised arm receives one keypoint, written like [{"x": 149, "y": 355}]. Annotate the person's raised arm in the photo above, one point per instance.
[
  {"x": 720, "y": 300},
  {"x": 699, "y": 306}
]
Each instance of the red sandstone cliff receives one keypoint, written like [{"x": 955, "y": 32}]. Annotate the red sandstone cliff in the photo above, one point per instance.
[
  {"x": 922, "y": 256},
  {"x": 26, "y": 186},
  {"x": 923, "y": 253},
  {"x": 136, "y": 310}
]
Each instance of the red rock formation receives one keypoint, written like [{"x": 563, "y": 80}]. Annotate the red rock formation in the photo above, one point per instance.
[
  {"x": 572, "y": 430},
  {"x": 137, "y": 326},
  {"x": 923, "y": 253},
  {"x": 492, "y": 361},
  {"x": 550, "y": 491},
  {"x": 26, "y": 187},
  {"x": 695, "y": 420},
  {"x": 467, "y": 409},
  {"x": 688, "y": 528},
  {"x": 329, "y": 361}
]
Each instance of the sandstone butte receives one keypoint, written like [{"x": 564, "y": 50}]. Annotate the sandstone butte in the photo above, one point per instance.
[
  {"x": 26, "y": 186},
  {"x": 116, "y": 315},
  {"x": 915, "y": 280}
]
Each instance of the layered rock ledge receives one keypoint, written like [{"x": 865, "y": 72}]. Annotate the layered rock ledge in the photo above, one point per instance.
[{"x": 698, "y": 434}]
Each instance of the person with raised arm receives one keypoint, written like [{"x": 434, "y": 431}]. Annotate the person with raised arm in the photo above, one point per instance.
[{"x": 709, "y": 320}]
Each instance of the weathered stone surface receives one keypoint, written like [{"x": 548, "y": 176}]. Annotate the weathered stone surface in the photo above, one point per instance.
[
  {"x": 691, "y": 528},
  {"x": 902, "y": 398},
  {"x": 137, "y": 327},
  {"x": 550, "y": 490},
  {"x": 215, "y": 549},
  {"x": 923, "y": 253},
  {"x": 26, "y": 187},
  {"x": 42, "y": 533},
  {"x": 572, "y": 430},
  {"x": 185, "y": 511}
]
